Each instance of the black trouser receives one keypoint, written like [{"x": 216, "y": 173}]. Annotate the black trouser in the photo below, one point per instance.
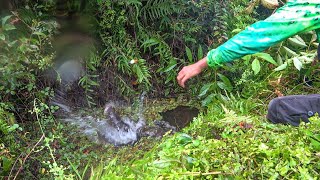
[{"x": 293, "y": 109}]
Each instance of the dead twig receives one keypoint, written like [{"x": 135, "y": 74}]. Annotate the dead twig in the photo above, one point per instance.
[{"x": 25, "y": 158}]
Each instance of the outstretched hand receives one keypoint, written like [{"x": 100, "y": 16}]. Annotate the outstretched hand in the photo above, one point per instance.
[{"x": 190, "y": 71}]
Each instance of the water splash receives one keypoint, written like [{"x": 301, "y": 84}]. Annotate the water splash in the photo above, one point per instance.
[
  {"x": 60, "y": 100},
  {"x": 118, "y": 130},
  {"x": 111, "y": 129}
]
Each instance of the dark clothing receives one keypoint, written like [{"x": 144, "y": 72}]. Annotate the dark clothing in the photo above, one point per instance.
[{"x": 293, "y": 109}]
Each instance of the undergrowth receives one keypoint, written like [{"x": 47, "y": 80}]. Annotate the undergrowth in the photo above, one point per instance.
[
  {"x": 225, "y": 145},
  {"x": 144, "y": 43}
]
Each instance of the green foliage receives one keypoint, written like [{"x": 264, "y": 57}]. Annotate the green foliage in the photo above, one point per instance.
[
  {"x": 223, "y": 144},
  {"x": 257, "y": 69},
  {"x": 158, "y": 9},
  {"x": 23, "y": 56},
  {"x": 145, "y": 43},
  {"x": 214, "y": 90},
  {"x": 159, "y": 32},
  {"x": 25, "y": 52},
  {"x": 8, "y": 146},
  {"x": 89, "y": 80},
  {"x": 288, "y": 50}
]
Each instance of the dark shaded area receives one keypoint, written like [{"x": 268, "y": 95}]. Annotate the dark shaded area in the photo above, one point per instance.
[{"x": 181, "y": 116}]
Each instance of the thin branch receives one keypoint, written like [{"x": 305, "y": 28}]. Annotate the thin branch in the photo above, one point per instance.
[{"x": 24, "y": 160}]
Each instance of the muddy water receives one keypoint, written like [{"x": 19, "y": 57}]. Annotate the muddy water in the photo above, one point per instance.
[{"x": 180, "y": 116}]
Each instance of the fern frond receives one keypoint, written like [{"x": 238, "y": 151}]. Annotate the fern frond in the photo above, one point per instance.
[
  {"x": 142, "y": 72},
  {"x": 155, "y": 9}
]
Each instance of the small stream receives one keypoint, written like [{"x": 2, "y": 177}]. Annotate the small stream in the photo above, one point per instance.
[
  {"x": 109, "y": 126},
  {"x": 116, "y": 129}
]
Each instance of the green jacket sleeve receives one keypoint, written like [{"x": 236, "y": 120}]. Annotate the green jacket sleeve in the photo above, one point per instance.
[{"x": 294, "y": 17}]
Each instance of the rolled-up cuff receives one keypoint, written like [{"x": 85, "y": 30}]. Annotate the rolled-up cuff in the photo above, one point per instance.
[{"x": 214, "y": 58}]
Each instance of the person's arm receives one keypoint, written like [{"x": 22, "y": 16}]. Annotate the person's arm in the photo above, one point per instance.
[
  {"x": 190, "y": 71},
  {"x": 293, "y": 18}
]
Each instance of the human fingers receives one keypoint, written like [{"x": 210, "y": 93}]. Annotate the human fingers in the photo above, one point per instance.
[
  {"x": 183, "y": 81},
  {"x": 181, "y": 75},
  {"x": 180, "y": 80},
  {"x": 182, "y": 71}
]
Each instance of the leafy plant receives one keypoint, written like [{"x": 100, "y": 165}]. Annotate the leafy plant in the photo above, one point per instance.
[
  {"x": 7, "y": 141},
  {"x": 244, "y": 147},
  {"x": 256, "y": 65},
  {"x": 87, "y": 82},
  {"x": 160, "y": 32}
]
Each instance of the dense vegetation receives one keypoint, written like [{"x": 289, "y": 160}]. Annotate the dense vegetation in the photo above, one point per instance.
[
  {"x": 140, "y": 45},
  {"x": 226, "y": 145}
]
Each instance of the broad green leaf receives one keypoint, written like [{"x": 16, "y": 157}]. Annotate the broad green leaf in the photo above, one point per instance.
[
  {"x": 8, "y": 27},
  {"x": 7, "y": 163},
  {"x": 266, "y": 57},
  {"x": 184, "y": 139},
  {"x": 279, "y": 59},
  {"x": 246, "y": 58},
  {"x": 226, "y": 83},
  {"x": 196, "y": 143},
  {"x": 34, "y": 47},
  {"x": 281, "y": 67},
  {"x": 161, "y": 163},
  {"x": 5, "y": 19},
  {"x": 225, "y": 79},
  {"x": 205, "y": 89},
  {"x": 208, "y": 100},
  {"x": 284, "y": 170},
  {"x": 295, "y": 42},
  {"x": 297, "y": 63},
  {"x": 13, "y": 127},
  {"x": 236, "y": 30},
  {"x": 12, "y": 43},
  {"x": 200, "y": 52},
  {"x": 314, "y": 37},
  {"x": 2, "y": 37},
  {"x": 256, "y": 66},
  {"x": 315, "y": 144},
  {"x": 169, "y": 68},
  {"x": 299, "y": 38},
  {"x": 317, "y": 137},
  {"x": 289, "y": 51},
  {"x": 315, "y": 141},
  {"x": 149, "y": 43},
  {"x": 189, "y": 54},
  {"x": 39, "y": 33},
  {"x": 222, "y": 85}
]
